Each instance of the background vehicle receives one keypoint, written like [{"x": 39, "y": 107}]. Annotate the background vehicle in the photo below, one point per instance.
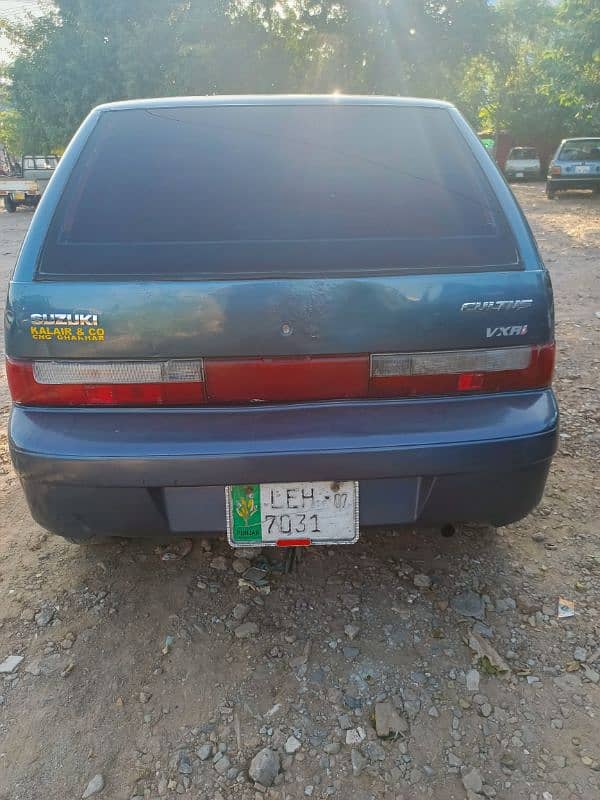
[
  {"x": 352, "y": 296},
  {"x": 576, "y": 165},
  {"x": 522, "y": 163},
  {"x": 27, "y": 182}
]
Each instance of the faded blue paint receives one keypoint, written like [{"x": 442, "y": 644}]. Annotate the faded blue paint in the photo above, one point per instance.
[{"x": 89, "y": 471}]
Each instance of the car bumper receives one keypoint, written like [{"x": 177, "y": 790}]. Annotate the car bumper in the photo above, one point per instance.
[
  {"x": 581, "y": 182},
  {"x": 155, "y": 472},
  {"x": 523, "y": 174}
]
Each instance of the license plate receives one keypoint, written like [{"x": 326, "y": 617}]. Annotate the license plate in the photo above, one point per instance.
[
  {"x": 19, "y": 195},
  {"x": 583, "y": 169},
  {"x": 285, "y": 514},
  {"x": 520, "y": 174}
]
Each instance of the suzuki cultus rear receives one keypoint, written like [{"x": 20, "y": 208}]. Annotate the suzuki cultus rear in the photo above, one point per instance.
[{"x": 287, "y": 318}]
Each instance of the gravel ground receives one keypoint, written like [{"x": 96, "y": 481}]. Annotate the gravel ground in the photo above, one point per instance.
[{"x": 407, "y": 666}]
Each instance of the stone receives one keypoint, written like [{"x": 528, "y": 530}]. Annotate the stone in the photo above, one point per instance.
[
  {"x": 205, "y": 751},
  {"x": 355, "y": 735},
  {"x": 473, "y": 680},
  {"x": 219, "y": 563},
  {"x": 493, "y": 662},
  {"x": 246, "y": 630},
  {"x": 472, "y": 781},
  {"x": 388, "y": 722},
  {"x": 332, "y": 748},
  {"x": 469, "y": 604},
  {"x": 591, "y": 674},
  {"x": 422, "y": 581},
  {"x": 351, "y": 631},
  {"x": 359, "y": 762},
  {"x": 292, "y": 745},
  {"x": 344, "y": 722},
  {"x": 454, "y": 760},
  {"x": 95, "y": 786},
  {"x": 433, "y": 712},
  {"x": 240, "y": 565},
  {"x": 374, "y": 751},
  {"x": 486, "y": 710},
  {"x": 10, "y": 664},
  {"x": 45, "y": 616},
  {"x": 580, "y": 654},
  {"x": 184, "y": 765},
  {"x": 240, "y": 611},
  {"x": 223, "y": 765},
  {"x": 505, "y": 604},
  {"x": 265, "y": 767}
]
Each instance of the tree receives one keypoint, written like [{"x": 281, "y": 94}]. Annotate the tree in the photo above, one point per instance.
[{"x": 530, "y": 66}]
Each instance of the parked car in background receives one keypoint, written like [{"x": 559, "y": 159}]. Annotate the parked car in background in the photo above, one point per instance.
[
  {"x": 523, "y": 163},
  {"x": 26, "y": 182},
  {"x": 343, "y": 320},
  {"x": 576, "y": 165}
]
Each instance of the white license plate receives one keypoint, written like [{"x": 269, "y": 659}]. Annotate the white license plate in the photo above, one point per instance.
[
  {"x": 302, "y": 513},
  {"x": 583, "y": 169},
  {"x": 520, "y": 174}
]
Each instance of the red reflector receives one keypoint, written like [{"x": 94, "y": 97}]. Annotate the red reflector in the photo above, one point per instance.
[
  {"x": 294, "y": 542},
  {"x": 286, "y": 379},
  {"x": 26, "y": 390},
  {"x": 469, "y": 381}
]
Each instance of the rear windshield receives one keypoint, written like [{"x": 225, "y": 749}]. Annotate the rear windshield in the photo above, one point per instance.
[
  {"x": 522, "y": 153},
  {"x": 580, "y": 150},
  {"x": 223, "y": 191}
]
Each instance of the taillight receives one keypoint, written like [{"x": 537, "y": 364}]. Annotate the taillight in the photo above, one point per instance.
[
  {"x": 457, "y": 371},
  {"x": 106, "y": 383},
  {"x": 555, "y": 169},
  {"x": 278, "y": 380}
]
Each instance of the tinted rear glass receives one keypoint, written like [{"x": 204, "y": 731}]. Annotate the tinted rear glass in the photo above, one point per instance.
[
  {"x": 521, "y": 153},
  {"x": 220, "y": 191},
  {"x": 580, "y": 150}
]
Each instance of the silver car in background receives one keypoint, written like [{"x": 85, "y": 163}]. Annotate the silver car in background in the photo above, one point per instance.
[
  {"x": 576, "y": 165},
  {"x": 523, "y": 163}
]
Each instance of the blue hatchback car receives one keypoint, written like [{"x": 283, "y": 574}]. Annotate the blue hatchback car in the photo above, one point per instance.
[{"x": 287, "y": 318}]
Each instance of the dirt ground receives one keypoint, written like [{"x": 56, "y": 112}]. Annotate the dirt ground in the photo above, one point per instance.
[{"x": 103, "y": 691}]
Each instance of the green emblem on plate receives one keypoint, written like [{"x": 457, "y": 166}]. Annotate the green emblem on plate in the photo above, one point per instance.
[{"x": 245, "y": 513}]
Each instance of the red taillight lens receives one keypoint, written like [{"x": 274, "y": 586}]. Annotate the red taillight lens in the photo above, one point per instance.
[
  {"x": 98, "y": 383},
  {"x": 555, "y": 170},
  {"x": 456, "y": 371},
  {"x": 278, "y": 380}
]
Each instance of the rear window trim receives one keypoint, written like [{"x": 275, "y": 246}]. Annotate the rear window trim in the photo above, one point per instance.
[{"x": 289, "y": 274}]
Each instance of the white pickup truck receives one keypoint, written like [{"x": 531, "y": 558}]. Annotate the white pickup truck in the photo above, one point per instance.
[
  {"x": 26, "y": 182},
  {"x": 522, "y": 163}
]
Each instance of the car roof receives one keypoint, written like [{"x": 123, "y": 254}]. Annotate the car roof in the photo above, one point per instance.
[
  {"x": 274, "y": 100},
  {"x": 580, "y": 139}
]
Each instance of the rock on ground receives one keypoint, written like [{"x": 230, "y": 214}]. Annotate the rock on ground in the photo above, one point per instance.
[
  {"x": 265, "y": 766},
  {"x": 95, "y": 786},
  {"x": 388, "y": 722},
  {"x": 472, "y": 781}
]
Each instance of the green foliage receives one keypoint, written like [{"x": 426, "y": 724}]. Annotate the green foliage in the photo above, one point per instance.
[{"x": 530, "y": 66}]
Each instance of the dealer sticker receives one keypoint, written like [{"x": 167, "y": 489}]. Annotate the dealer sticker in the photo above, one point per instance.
[{"x": 66, "y": 327}]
